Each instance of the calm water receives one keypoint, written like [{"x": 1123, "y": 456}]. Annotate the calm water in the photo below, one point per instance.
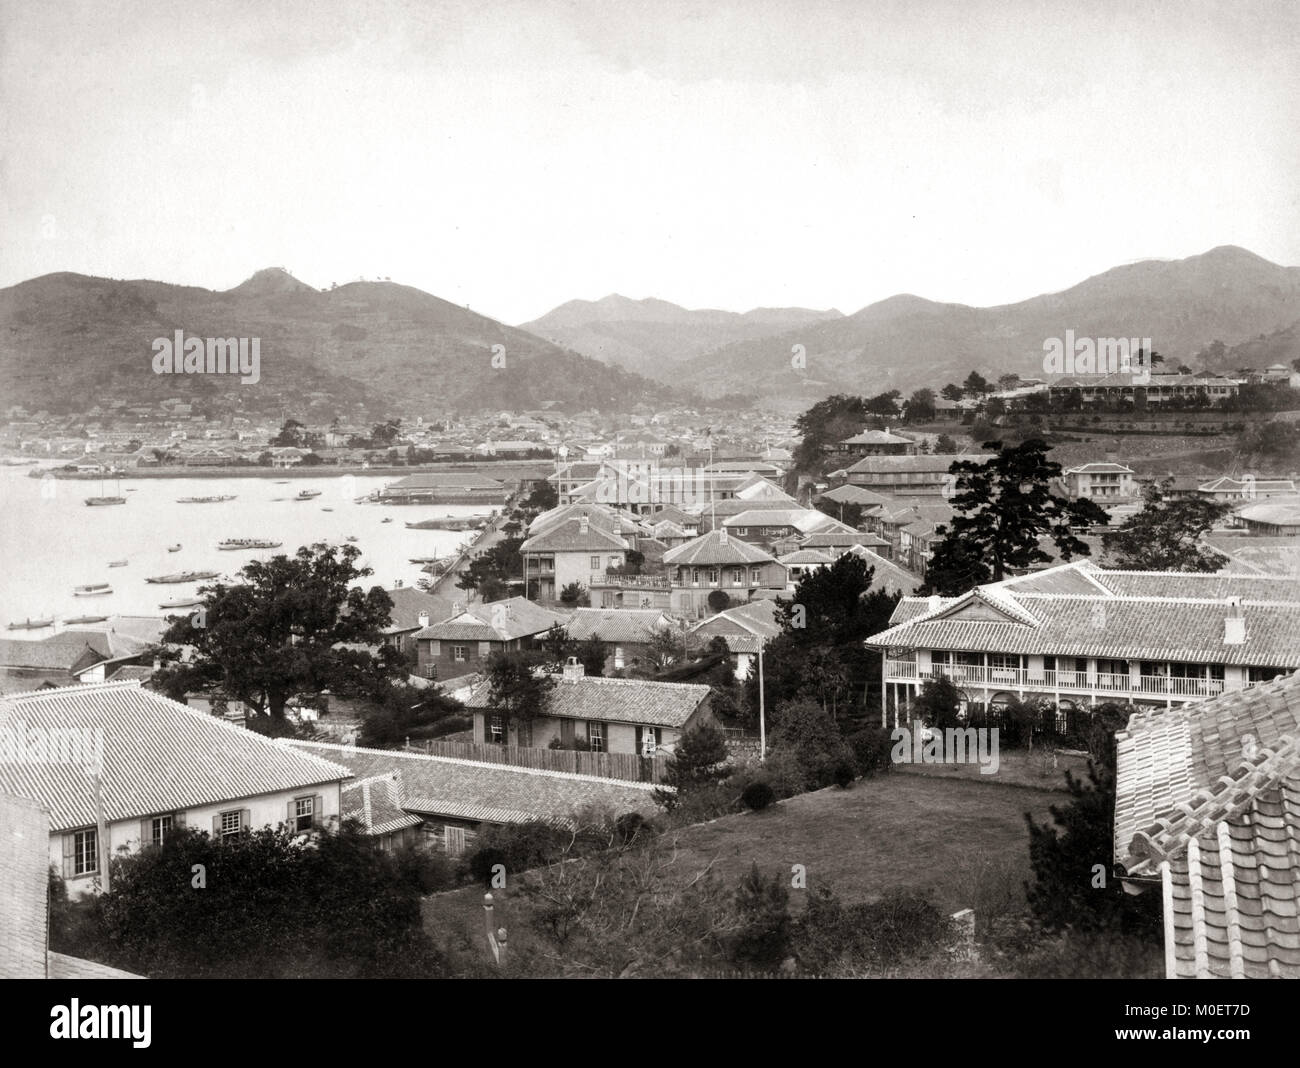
[{"x": 50, "y": 541}]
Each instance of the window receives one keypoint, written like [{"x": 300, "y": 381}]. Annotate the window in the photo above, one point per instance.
[
  {"x": 159, "y": 828},
  {"x": 484, "y": 650},
  {"x": 649, "y": 740},
  {"x": 435, "y": 648},
  {"x": 755, "y": 575},
  {"x": 304, "y": 813},
  {"x": 713, "y": 576},
  {"x": 85, "y": 852},
  {"x": 454, "y": 841},
  {"x": 614, "y": 561},
  {"x": 497, "y": 729},
  {"x": 596, "y": 737},
  {"x": 595, "y": 563},
  {"x": 460, "y": 653},
  {"x": 231, "y": 823},
  {"x": 740, "y": 532},
  {"x": 618, "y": 658}
]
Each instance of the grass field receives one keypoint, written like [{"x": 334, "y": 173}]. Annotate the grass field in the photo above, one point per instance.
[{"x": 963, "y": 842}]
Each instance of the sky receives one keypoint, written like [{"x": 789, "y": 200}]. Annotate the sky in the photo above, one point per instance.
[{"x": 514, "y": 156}]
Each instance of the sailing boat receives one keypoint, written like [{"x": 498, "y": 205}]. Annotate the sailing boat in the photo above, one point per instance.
[{"x": 102, "y": 500}]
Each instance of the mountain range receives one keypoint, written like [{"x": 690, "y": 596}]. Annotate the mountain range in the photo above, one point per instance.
[{"x": 68, "y": 341}]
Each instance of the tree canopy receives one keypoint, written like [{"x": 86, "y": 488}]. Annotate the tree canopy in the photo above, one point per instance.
[{"x": 1165, "y": 535}]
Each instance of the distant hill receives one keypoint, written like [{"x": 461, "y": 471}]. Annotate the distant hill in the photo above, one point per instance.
[
  {"x": 907, "y": 342},
  {"x": 68, "y": 341},
  {"x": 652, "y": 336}
]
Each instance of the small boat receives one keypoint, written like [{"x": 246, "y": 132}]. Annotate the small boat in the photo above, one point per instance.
[
  {"x": 206, "y": 500},
  {"x": 423, "y": 559},
  {"x": 387, "y": 519},
  {"x": 78, "y": 620},
  {"x": 231, "y": 544},
  {"x": 93, "y": 589},
  {"x": 184, "y": 576},
  {"x": 281, "y": 481},
  {"x": 307, "y": 495},
  {"x": 327, "y": 509},
  {"x": 182, "y": 602},
  {"x": 32, "y": 624},
  {"x": 99, "y": 502},
  {"x": 353, "y": 537},
  {"x": 118, "y": 563},
  {"x": 174, "y": 548}
]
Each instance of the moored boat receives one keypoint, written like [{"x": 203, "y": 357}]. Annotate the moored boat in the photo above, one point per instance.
[
  {"x": 174, "y": 548},
  {"x": 32, "y": 624},
  {"x": 183, "y": 576},
  {"x": 307, "y": 495},
  {"x": 118, "y": 563},
  {"x": 231, "y": 544},
  {"x": 92, "y": 589},
  {"x": 78, "y": 620},
  {"x": 99, "y": 502},
  {"x": 206, "y": 500},
  {"x": 182, "y": 602}
]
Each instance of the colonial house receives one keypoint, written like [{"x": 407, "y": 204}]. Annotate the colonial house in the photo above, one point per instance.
[
  {"x": 610, "y": 715},
  {"x": 1276, "y": 518},
  {"x": 68, "y": 658},
  {"x": 1207, "y": 817},
  {"x": 444, "y": 487},
  {"x": 412, "y": 611},
  {"x": 626, "y": 633},
  {"x": 445, "y": 803},
  {"x": 569, "y": 477},
  {"x": 1227, "y": 490},
  {"x": 746, "y": 629},
  {"x": 864, "y": 499},
  {"x": 889, "y": 523},
  {"x": 770, "y": 525},
  {"x": 1101, "y": 481},
  {"x": 462, "y": 644},
  {"x": 907, "y": 476},
  {"x": 886, "y": 575},
  {"x": 718, "y": 562},
  {"x": 841, "y": 541},
  {"x": 1139, "y": 387},
  {"x": 161, "y": 766},
  {"x": 573, "y": 551},
  {"x": 803, "y": 561},
  {"x": 877, "y": 443},
  {"x": 1077, "y": 636}
]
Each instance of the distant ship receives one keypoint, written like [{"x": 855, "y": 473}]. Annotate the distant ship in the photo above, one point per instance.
[
  {"x": 184, "y": 576},
  {"x": 206, "y": 500},
  {"x": 98, "y": 502},
  {"x": 387, "y": 519},
  {"x": 94, "y": 589},
  {"x": 449, "y": 523},
  {"x": 353, "y": 537},
  {"x": 78, "y": 620},
  {"x": 174, "y": 548},
  {"x": 248, "y": 543},
  {"x": 118, "y": 563},
  {"x": 32, "y": 624},
  {"x": 307, "y": 495}
]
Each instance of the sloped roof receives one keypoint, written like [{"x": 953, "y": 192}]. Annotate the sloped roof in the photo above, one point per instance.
[
  {"x": 835, "y": 539},
  {"x": 445, "y": 480},
  {"x": 569, "y": 537},
  {"x": 375, "y": 802},
  {"x": 158, "y": 755},
  {"x": 640, "y": 701},
  {"x": 877, "y": 437},
  {"x": 1213, "y": 790},
  {"x": 712, "y": 549},
  {"x": 47, "y": 655},
  {"x": 855, "y": 495},
  {"x": 745, "y": 626},
  {"x": 1279, "y": 511},
  {"x": 913, "y": 464},
  {"x": 494, "y": 793},
  {"x": 495, "y": 621},
  {"x": 886, "y": 575},
  {"x": 616, "y": 624}
]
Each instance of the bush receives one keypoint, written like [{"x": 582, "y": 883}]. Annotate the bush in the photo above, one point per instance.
[
  {"x": 758, "y": 795},
  {"x": 845, "y": 773},
  {"x": 902, "y": 925},
  {"x": 424, "y": 871},
  {"x": 518, "y": 846},
  {"x": 872, "y": 747}
]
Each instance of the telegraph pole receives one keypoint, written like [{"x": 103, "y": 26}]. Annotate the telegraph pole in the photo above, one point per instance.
[{"x": 762, "y": 715}]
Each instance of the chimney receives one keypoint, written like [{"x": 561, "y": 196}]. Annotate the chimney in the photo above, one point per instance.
[
  {"x": 722, "y": 535},
  {"x": 1234, "y": 624},
  {"x": 422, "y": 619},
  {"x": 935, "y": 601},
  {"x": 573, "y": 669},
  {"x": 455, "y": 608}
]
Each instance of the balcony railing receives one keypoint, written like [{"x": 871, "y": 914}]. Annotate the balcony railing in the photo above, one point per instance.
[
  {"x": 1044, "y": 679},
  {"x": 658, "y": 582}
]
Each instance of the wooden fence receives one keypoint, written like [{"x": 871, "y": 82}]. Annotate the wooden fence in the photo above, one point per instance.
[{"x": 626, "y": 766}]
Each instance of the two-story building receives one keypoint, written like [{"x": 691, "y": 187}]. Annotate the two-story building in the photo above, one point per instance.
[
  {"x": 120, "y": 768},
  {"x": 718, "y": 562},
  {"x": 572, "y": 551},
  {"x": 908, "y": 476},
  {"x": 462, "y": 644},
  {"x": 877, "y": 443},
  {"x": 626, "y": 633},
  {"x": 1100, "y": 481},
  {"x": 1077, "y": 635}
]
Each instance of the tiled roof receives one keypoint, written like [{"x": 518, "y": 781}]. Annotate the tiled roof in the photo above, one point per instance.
[
  {"x": 658, "y": 704},
  {"x": 375, "y": 802},
  {"x": 159, "y": 756},
  {"x": 744, "y": 627},
  {"x": 1099, "y": 468},
  {"x": 1258, "y": 555},
  {"x": 1280, "y": 511},
  {"x": 616, "y": 624},
  {"x": 445, "y": 480},
  {"x": 1130, "y": 616},
  {"x": 598, "y": 515},
  {"x": 409, "y": 603},
  {"x": 877, "y": 437},
  {"x": 840, "y": 539},
  {"x": 711, "y": 549},
  {"x": 886, "y": 575},
  {"x": 877, "y": 465},
  {"x": 495, "y": 793},
  {"x": 1208, "y": 800},
  {"x": 47, "y": 655},
  {"x": 495, "y": 621},
  {"x": 569, "y": 537},
  {"x": 24, "y": 887},
  {"x": 806, "y": 557},
  {"x": 855, "y": 495}
]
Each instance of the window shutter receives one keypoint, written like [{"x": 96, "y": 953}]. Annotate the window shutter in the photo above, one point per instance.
[
  {"x": 435, "y": 648},
  {"x": 318, "y": 811},
  {"x": 289, "y": 819},
  {"x": 146, "y": 833},
  {"x": 69, "y": 854},
  {"x": 216, "y": 825},
  {"x": 245, "y": 818},
  {"x": 640, "y": 731}
]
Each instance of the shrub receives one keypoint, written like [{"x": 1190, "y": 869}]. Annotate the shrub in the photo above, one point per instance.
[
  {"x": 871, "y": 749},
  {"x": 764, "y": 910},
  {"x": 518, "y": 846},
  {"x": 423, "y": 870},
  {"x": 758, "y": 795},
  {"x": 845, "y": 773}
]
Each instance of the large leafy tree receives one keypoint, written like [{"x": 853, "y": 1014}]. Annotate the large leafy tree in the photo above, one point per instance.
[
  {"x": 825, "y": 423},
  {"x": 516, "y": 690},
  {"x": 1165, "y": 535},
  {"x": 292, "y": 625},
  {"x": 1004, "y": 507}
]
